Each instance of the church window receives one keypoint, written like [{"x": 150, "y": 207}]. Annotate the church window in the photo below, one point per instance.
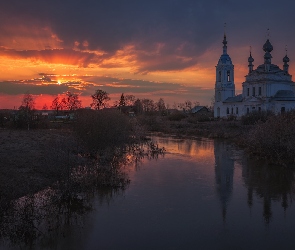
[
  {"x": 253, "y": 91},
  {"x": 237, "y": 110},
  {"x": 219, "y": 96},
  {"x": 248, "y": 91},
  {"x": 228, "y": 76},
  {"x": 247, "y": 110},
  {"x": 259, "y": 91},
  {"x": 219, "y": 76},
  {"x": 227, "y": 110}
]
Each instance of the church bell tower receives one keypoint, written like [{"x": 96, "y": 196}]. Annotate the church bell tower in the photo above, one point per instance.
[{"x": 224, "y": 85}]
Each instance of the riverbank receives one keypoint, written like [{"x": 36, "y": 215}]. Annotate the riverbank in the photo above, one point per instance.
[
  {"x": 263, "y": 135},
  {"x": 191, "y": 127}
]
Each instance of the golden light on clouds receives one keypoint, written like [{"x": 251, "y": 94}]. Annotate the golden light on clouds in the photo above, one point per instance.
[{"x": 29, "y": 37}]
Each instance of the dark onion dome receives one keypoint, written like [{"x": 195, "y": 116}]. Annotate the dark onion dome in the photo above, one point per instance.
[
  {"x": 250, "y": 59},
  {"x": 286, "y": 59},
  {"x": 267, "y": 47}
]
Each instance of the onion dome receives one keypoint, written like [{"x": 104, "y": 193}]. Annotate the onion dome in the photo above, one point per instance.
[
  {"x": 286, "y": 59},
  {"x": 250, "y": 59},
  {"x": 267, "y": 47}
]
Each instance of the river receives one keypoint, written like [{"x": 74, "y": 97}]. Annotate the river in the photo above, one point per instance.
[{"x": 201, "y": 194}]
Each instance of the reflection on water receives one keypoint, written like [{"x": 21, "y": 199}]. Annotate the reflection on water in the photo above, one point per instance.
[
  {"x": 269, "y": 183},
  {"x": 202, "y": 194},
  {"x": 224, "y": 174}
]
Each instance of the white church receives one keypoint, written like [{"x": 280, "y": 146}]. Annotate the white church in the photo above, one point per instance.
[{"x": 267, "y": 88}]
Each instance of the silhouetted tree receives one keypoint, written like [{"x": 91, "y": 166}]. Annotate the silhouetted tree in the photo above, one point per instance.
[
  {"x": 26, "y": 110},
  {"x": 129, "y": 100},
  {"x": 71, "y": 101},
  {"x": 161, "y": 105},
  {"x": 122, "y": 101},
  {"x": 57, "y": 104},
  {"x": 148, "y": 105},
  {"x": 138, "y": 106},
  {"x": 45, "y": 107},
  {"x": 99, "y": 99}
]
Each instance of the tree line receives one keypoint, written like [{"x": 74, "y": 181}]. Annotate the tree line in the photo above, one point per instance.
[{"x": 100, "y": 100}]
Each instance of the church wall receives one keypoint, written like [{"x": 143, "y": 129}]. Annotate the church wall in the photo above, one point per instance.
[{"x": 282, "y": 106}]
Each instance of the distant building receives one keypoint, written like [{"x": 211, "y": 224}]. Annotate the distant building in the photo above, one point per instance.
[
  {"x": 267, "y": 88},
  {"x": 199, "y": 110}
]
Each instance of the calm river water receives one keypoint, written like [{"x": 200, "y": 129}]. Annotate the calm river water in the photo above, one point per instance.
[{"x": 202, "y": 194}]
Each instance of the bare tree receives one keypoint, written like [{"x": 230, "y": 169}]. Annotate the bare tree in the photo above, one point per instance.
[
  {"x": 26, "y": 110},
  {"x": 138, "y": 106},
  {"x": 45, "y": 107},
  {"x": 71, "y": 101},
  {"x": 99, "y": 99},
  {"x": 161, "y": 105},
  {"x": 57, "y": 104},
  {"x": 28, "y": 102},
  {"x": 129, "y": 100},
  {"x": 188, "y": 105},
  {"x": 196, "y": 103},
  {"x": 148, "y": 105}
]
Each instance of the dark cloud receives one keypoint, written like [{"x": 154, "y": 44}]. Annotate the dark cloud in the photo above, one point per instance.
[
  {"x": 187, "y": 28},
  {"x": 21, "y": 87},
  {"x": 118, "y": 85}
]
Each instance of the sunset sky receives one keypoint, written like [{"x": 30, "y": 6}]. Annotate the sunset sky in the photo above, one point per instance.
[{"x": 148, "y": 48}]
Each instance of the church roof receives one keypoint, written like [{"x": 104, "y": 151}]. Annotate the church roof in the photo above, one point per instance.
[
  {"x": 273, "y": 74},
  {"x": 225, "y": 59},
  {"x": 269, "y": 72},
  {"x": 237, "y": 98},
  {"x": 284, "y": 95}
]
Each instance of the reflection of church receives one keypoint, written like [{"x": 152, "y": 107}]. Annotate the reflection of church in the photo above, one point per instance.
[
  {"x": 224, "y": 174},
  {"x": 270, "y": 184},
  {"x": 267, "y": 88}
]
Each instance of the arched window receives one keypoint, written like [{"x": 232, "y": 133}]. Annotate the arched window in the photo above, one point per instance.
[
  {"x": 228, "y": 76},
  {"x": 219, "y": 76},
  {"x": 227, "y": 110}
]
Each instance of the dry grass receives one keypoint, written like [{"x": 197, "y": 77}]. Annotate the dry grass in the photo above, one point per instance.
[{"x": 32, "y": 160}]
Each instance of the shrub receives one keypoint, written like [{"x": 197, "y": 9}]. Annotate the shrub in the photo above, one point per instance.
[
  {"x": 255, "y": 117},
  {"x": 176, "y": 116},
  {"x": 274, "y": 139},
  {"x": 102, "y": 129}
]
